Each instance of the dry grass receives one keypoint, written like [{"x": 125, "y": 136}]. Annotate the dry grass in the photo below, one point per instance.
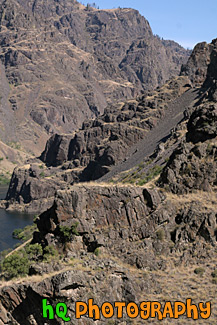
[
  {"x": 206, "y": 200},
  {"x": 33, "y": 278}
]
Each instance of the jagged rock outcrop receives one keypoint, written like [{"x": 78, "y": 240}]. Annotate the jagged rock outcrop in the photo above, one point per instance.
[
  {"x": 117, "y": 218},
  {"x": 25, "y": 189},
  {"x": 134, "y": 237},
  {"x": 106, "y": 141},
  {"x": 128, "y": 240},
  {"x": 65, "y": 62},
  {"x": 202, "y": 124},
  {"x": 122, "y": 210},
  {"x": 96, "y": 148},
  {"x": 122, "y": 124},
  {"x": 201, "y": 64},
  {"x": 193, "y": 164},
  {"x": 107, "y": 281},
  {"x": 191, "y": 167}
]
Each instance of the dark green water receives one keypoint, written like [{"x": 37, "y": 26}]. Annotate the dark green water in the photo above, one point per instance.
[{"x": 10, "y": 221}]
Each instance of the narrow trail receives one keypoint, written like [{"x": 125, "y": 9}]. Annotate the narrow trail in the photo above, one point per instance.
[
  {"x": 19, "y": 247},
  {"x": 146, "y": 146}
]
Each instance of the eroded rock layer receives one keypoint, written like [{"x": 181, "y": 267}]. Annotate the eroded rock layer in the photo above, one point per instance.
[{"x": 65, "y": 62}]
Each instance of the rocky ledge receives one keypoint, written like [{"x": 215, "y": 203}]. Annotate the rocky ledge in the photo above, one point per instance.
[
  {"x": 127, "y": 241},
  {"x": 92, "y": 151}
]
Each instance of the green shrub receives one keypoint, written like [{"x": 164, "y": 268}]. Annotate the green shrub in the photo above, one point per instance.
[
  {"x": 199, "y": 271},
  {"x": 145, "y": 178},
  {"x": 49, "y": 253},
  {"x": 25, "y": 233},
  {"x": 209, "y": 148},
  {"x": 4, "y": 253},
  {"x": 67, "y": 233},
  {"x": 16, "y": 233},
  {"x": 97, "y": 251},
  {"x": 16, "y": 265},
  {"x": 16, "y": 245},
  {"x": 35, "y": 218},
  {"x": 34, "y": 251}
]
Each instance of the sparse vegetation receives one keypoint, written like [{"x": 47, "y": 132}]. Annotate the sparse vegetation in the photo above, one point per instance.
[
  {"x": 141, "y": 178},
  {"x": 14, "y": 145},
  {"x": 153, "y": 172},
  {"x": 199, "y": 271},
  {"x": 16, "y": 264},
  {"x": 25, "y": 233},
  {"x": 97, "y": 251},
  {"x": 67, "y": 233},
  {"x": 34, "y": 251},
  {"x": 4, "y": 180},
  {"x": 160, "y": 234},
  {"x": 214, "y": 280},
  {"x": 92, "y": 5},
  {"x": 49, "y": 253}
]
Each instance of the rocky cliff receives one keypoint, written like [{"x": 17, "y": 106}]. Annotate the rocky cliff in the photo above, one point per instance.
[
  {"x": 65, "y": 62},
  {"x": 201, "y": 66},
  {"x": 120, "y": 134},
  {"x": 100, "y": 145},
  {"x": 131, "y": 244},
  {"x": 155, "y": 242}
]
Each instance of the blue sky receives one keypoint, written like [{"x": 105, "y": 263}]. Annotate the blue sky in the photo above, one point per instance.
[{"x": 187, "y": 22}]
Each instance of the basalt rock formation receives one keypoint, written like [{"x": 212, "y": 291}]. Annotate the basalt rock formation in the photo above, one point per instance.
[
  {"x": 103, "y": 143},
  {"x": 129, "y": 244},
  {"x": 155, "y": 242},
  {"x": 201, "y": 65},
  {"x": 63, "y": 62},
  {"x": 193, "y": 164},
  {"x": 100, "y": 144}
]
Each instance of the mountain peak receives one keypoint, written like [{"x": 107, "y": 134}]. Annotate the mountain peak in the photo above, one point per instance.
[{"x": 66, "y": 62}]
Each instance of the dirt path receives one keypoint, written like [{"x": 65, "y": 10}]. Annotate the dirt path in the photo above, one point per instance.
[
  {"x": 19, "y": 247},
  {"x": 147, "y": 145}
]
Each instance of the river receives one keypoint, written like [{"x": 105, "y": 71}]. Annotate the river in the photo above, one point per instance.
[{"x": 10, "y": 221}]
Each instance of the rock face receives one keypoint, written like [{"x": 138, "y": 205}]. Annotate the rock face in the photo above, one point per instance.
[
  {"x": 95, "y": 149},
  {"x": 136, "y": 230},
  {"x": 193, "y": 164},
  {"x": 202, "y": 124},
  {"x": 65, "y": 62},
  {"x": 201, "y": 64},
  {"x": 120, "y": 209},
  {"x": 128, "y": 240},
  {"x": 107, "y": 140},
  {"x": 25, "y": 189},
  {"x": 121, "y": 125},
  {"x": 191, "y": 167}
]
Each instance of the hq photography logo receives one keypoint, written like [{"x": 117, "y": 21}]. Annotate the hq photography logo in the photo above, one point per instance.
[{"x": 144, "y": 310}]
